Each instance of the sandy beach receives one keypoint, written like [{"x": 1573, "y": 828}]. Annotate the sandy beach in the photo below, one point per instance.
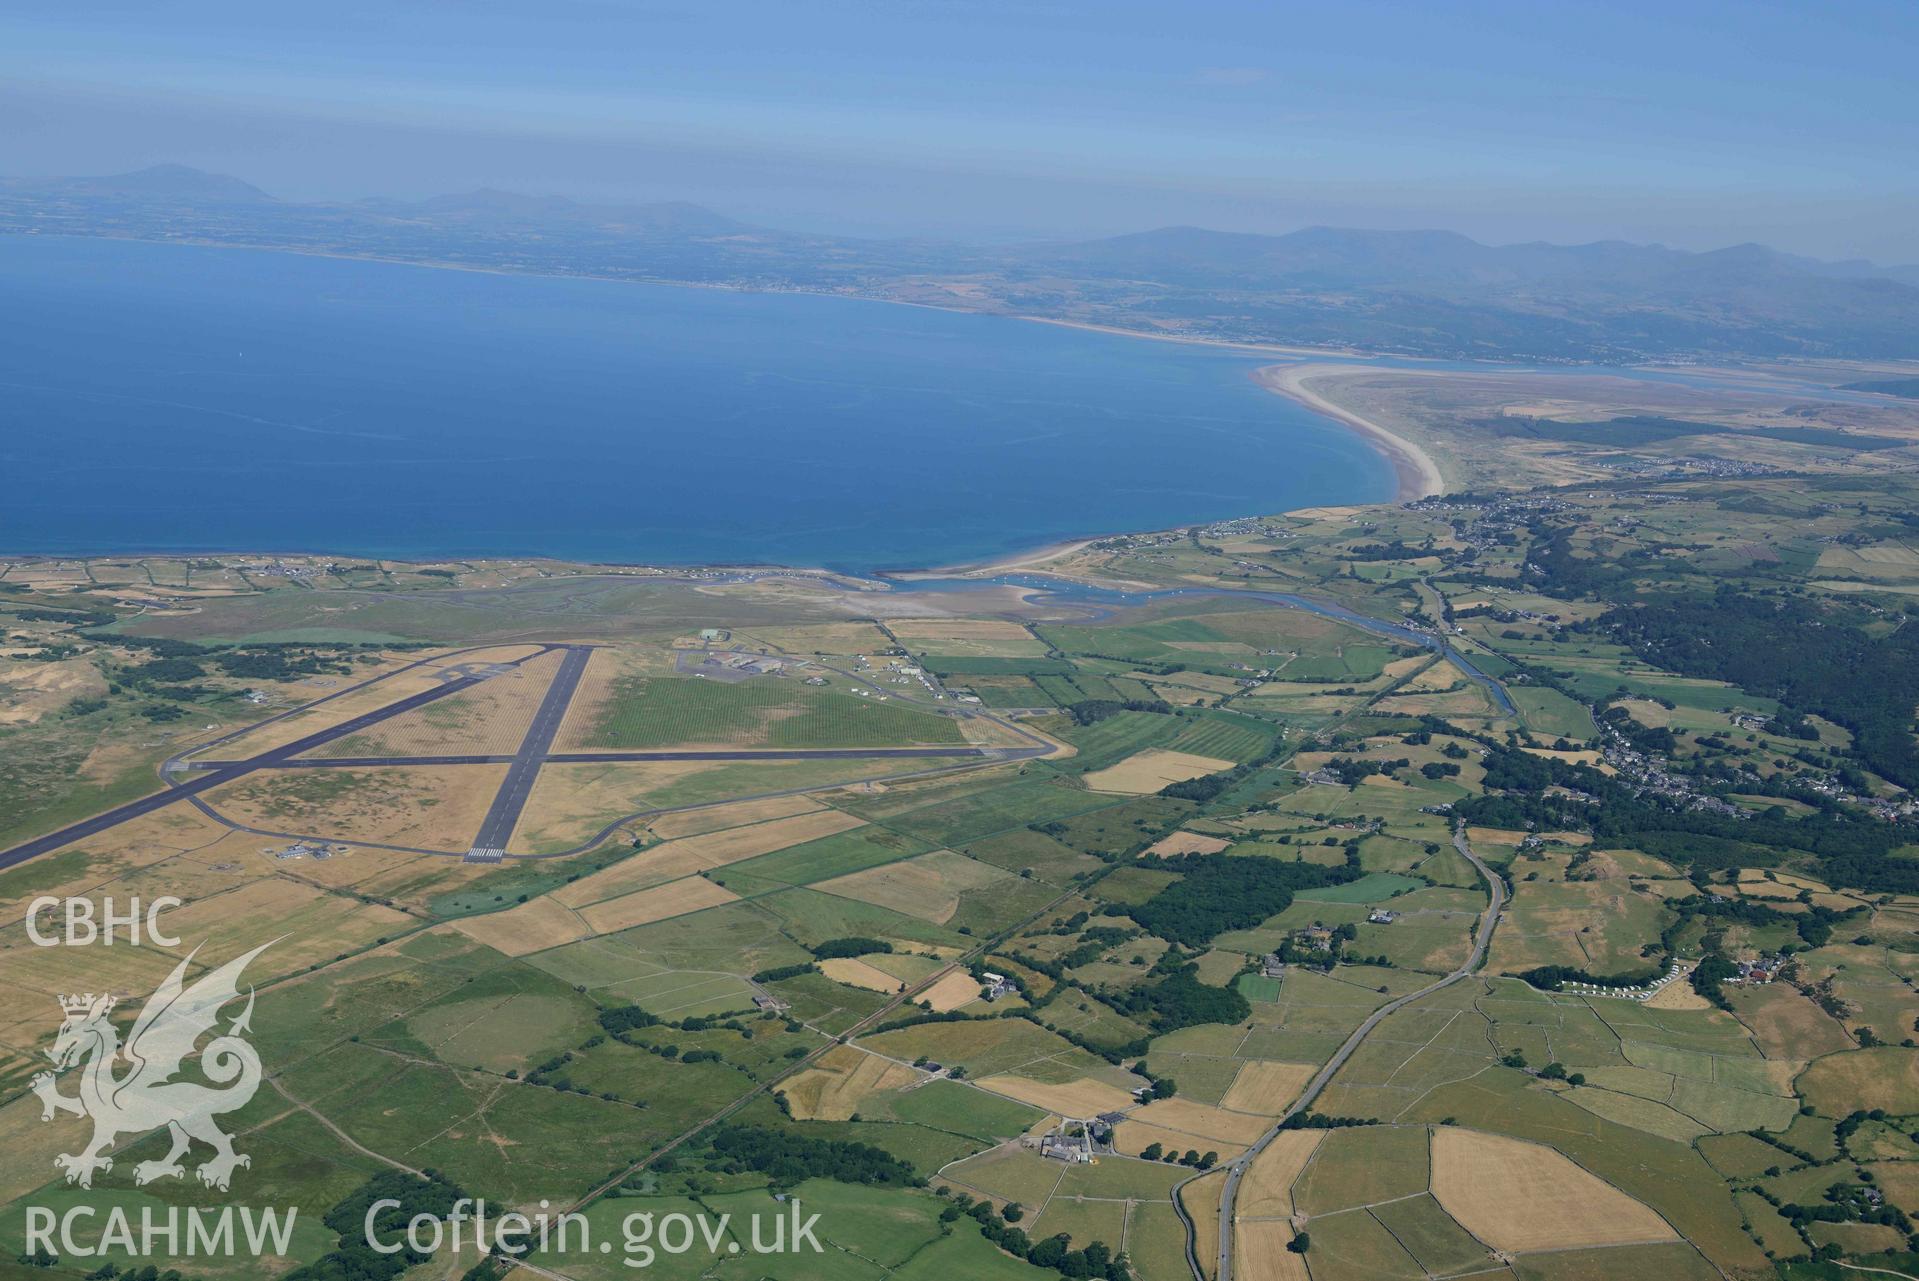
[{"x": 1419, "y": 476}]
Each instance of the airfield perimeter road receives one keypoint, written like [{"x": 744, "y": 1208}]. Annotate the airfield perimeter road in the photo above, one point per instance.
[{"x": 1496, "y": 886}]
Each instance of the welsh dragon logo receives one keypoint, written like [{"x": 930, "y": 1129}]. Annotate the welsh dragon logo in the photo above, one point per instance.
[{"x": 144, "y": 1096}]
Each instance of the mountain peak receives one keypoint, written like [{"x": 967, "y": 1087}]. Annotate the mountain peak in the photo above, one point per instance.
[{"x": 172, "y": 182}]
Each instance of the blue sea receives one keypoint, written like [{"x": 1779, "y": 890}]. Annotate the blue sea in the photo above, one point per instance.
[{"x": 173, "y": 398}]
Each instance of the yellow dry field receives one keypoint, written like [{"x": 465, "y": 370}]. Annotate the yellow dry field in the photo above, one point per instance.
[
  {"x": 1677, "y": 995},
  {"x": 1266, "y": 1087},
  {"x": 388, "y": 689},
  {"x": 854, "y": 972},
  {"x": 1784, "y": 885},
  {"x": 1267, "y": 1192},
  {"x": 1570, "y": 758},
  {"x": 820, "y": 638},
  {"x": 679, "y": 898},
  {"x": 1494, "y": 836},
  {"x": 1440, "y": 676},
  {"x": 29, "y": 691},
  {"x": 951, "y": 992},
  {"x": 434, "y": 807},
  {"x": 595, "y": 691},
  {"x": 1648, "y": 713},
  {"x": 36, "y": 978},
  {"x": 1259, "y": 1250},
  {"x": 1200, "y": 1120},
  {"x": 1082, "y": 1098},
  {"x": 668, "y": 827},
  {"x": 840, "y": 1080},
  {"x": 491, "y": 717},
  {"x": 671, "y": 860},
  {"x": 971, "y": 628},
  {"x": 1152, "y": 769},
  {"x": 968, "y": 637},
  {"x": 1518, "y": 1197},
  {"x": 1188, "y": 843},
  {"x": 533, "y": 926},
  {"x": 302, "y": 923},
  {"x": 412, "y": 879},
  {"x": 1466, "y": 702},
  {"x": 1201, "y": 683},
  {"x": 141, "y": 842},
  {"x": 928, "y": 886},
  {"x": 572, "y": 802},
  {"x": 1133, "y": 1137},
  {"x": 27, "y": 1147}
]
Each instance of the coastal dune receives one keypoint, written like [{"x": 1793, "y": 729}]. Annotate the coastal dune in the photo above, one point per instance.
[{"x": 1419, "y": 475}]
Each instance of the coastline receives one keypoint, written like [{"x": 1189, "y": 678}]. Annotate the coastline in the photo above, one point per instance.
[{"x": 1419, "y": 476}]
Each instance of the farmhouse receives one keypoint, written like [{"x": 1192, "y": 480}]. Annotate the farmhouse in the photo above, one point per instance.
[{"x": 1075, "y": 1149}]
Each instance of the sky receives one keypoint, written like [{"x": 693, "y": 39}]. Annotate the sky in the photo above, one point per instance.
[{"x": 1693, "y": 123}]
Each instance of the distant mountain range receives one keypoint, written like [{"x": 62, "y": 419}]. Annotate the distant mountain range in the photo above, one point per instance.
[{"x": 1429, "y": 293}]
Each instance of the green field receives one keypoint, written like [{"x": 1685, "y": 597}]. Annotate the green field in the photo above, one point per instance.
[{"x": 663, "y": 711}]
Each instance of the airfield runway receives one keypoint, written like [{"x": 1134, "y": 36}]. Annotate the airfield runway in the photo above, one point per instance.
[{"x": 509, "y": 802}]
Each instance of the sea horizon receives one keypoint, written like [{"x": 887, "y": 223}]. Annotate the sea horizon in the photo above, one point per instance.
[{"x": 791, "y": 430}]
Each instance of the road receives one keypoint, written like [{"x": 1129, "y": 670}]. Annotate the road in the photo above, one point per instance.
[{"x": 1496, "y": 886}]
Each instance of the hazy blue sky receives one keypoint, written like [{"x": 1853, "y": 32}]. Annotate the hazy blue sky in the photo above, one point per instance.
[{"x": 1692, "y": 122}]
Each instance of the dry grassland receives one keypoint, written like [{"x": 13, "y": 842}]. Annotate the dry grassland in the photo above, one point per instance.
[
  {"x": 673, "y": 859},
  {"x": 1082, "y": 1098},
  {"x": 1260, "y": 1251},
  {"x": 840, "y": 1080},
  {"x": 1268, "y": 1189},
  {"x": 435, "y": 807},
  {"x": 590, "y": 697},
  {"x": 573, "y": 802},
  {"x": 820, "y": 638},
  {"x": 970, "y": 637},
  {"x": 928, "y": 886},
  {"x": 29, "y": 691},
  {"x": 1188, "y": 843},
  {"x": 1200, "y": 1120},
  {"x": 1152, "y": 769},
  {"x": 1784, "y": 1022},
  {"x": 1519, "y": 1196},
  {"x": 303, "y": 924},
  {"x": 142, "y": 842},
  {"x": 1677, "y": 995},
  {"x": 679, "y": 898},
  {"x": 1134, "y": 1137},
  {"x": 1569, "y": 758},
  {"x": 491, "y": 717},
  {"x": 27, "y": 1146},
  {"x": 956, "y": 989},
  {"x": 854, "y": 972},
  {"x": 668, "y": 827},
  {"x": 1266, "y": 1087},
  {"x": 530, "y": 927},
  {"x": 388, "y": 689}
]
